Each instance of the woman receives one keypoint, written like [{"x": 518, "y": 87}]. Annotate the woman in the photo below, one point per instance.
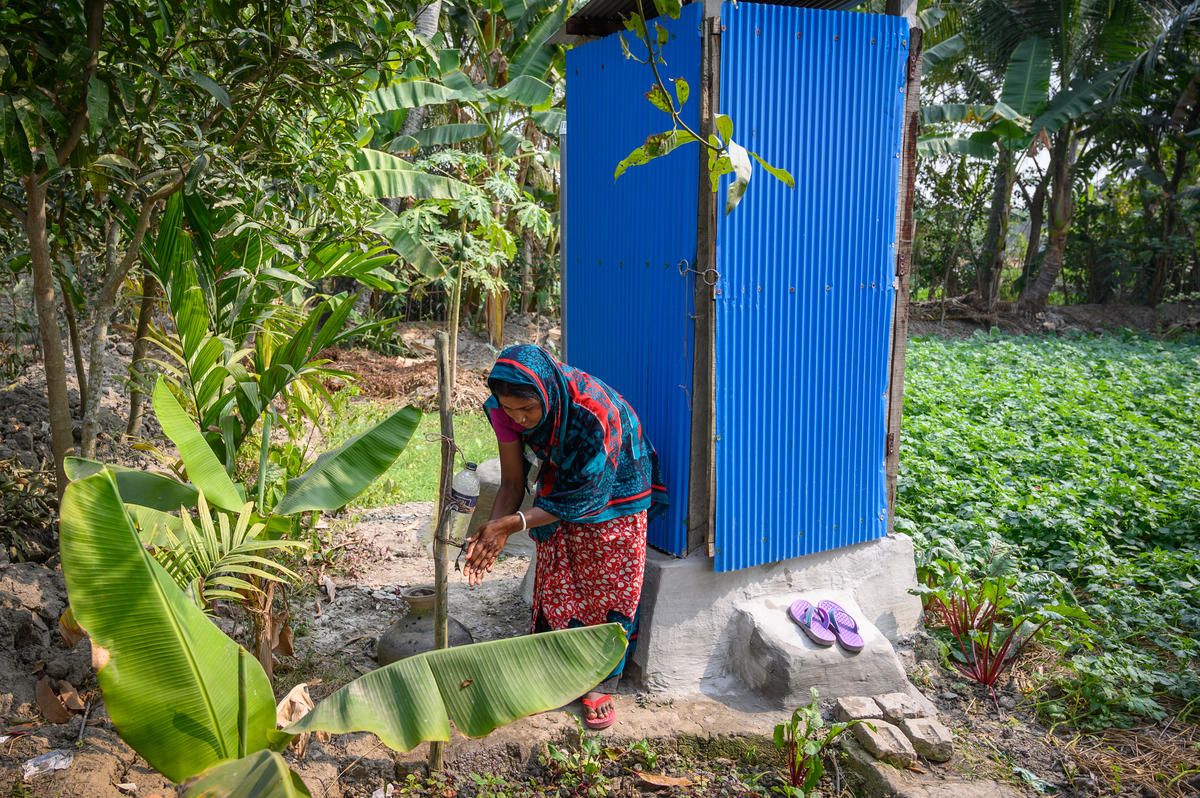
[{"x": 598, "y": 480}]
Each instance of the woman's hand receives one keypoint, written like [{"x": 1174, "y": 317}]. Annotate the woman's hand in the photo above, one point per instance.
[{"x": 487, "y": 543}]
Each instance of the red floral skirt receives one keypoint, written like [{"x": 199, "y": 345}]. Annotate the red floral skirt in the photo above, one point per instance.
[{"x": 589, "y": 574}]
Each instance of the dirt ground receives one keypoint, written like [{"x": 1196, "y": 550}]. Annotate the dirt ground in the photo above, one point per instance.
[
  {"x": 954, "y": 319},
  {"x": 720, "y": 747}
]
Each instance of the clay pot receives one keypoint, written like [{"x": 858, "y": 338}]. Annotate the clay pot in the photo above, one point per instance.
[{"x": 413, "y": 634}]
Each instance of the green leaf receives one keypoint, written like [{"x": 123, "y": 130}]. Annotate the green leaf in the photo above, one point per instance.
[
  {"x": 524, "y": 90},
  {"x": 1075, "y": 102},
  {"x": 1027, "y": 81},
  {"x": 782, "y": 175},
  {"x": 97, "y": 104},
  {"x": 211, "y": 86},
  {"x": 942, "y": 52},
  {"x": 444, "y": 135},
  {"x": 174, "y": 685},
  {"x": 14, "y": 142},
  {"x": 479, "y": 687},
  {"x": 550, "y": 122},
  {"x": 116, "y": 162},
  {"x": 668, "y": 8},
  {"x": 930, "y": 18},
  {"x": 383, "y": 176},
  {"x": 933, "y": 146},
  {"x": 536, "y": 53},
  {"x": 655, "y": 146},
  {"x": 682, "y": 91},
  {"x": 724, "y": 128},
  {"x": 203, "y": 468},
  {"x": 146, "y": 488},
  {"x": 261, "y": 775},
  {"x": 418, "y": 93},
  {"x": 659, "y": 99},
  {"x": 407, "y": 246},
  {"x": 341, "y": 474}
]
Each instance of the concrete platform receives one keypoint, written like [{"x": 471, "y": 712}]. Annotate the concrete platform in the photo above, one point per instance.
[
  {"x": 689, "y": 642},
  {"x": 775, "y": 659},
  {"x": 722, "y": 635}
]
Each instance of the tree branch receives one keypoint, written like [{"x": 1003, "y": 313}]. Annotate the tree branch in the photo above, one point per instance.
[
  {"x": 115, "y": 278},
  {"x": 13, "y": 208},
  {"x": 94, "y": 11}
]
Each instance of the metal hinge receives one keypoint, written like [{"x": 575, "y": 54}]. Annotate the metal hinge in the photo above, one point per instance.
[
  {"x": 901, "y": 265},
  {"x": 891, "y": 444}
]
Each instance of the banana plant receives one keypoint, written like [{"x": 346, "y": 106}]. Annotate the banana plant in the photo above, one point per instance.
[
  {"x": 331, "y": 482},
  {"x": 233, "y": 347},
  {"x": 191, "y": 701}
]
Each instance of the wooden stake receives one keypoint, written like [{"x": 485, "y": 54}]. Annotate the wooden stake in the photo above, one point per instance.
[{"x": 441, "y": 556}]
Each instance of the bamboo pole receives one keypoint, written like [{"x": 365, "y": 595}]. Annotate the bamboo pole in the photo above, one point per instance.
[{"x": 441, "y": 555}]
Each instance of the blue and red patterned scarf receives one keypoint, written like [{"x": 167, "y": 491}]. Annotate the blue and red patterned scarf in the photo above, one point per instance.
[{"x": 596, "y": 463}]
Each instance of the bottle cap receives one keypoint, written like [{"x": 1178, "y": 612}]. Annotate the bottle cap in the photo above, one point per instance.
[{"x": 472, "y": 466}]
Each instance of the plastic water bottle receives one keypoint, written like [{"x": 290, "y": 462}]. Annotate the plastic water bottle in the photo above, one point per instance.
[{"x": 464, "y": 495}]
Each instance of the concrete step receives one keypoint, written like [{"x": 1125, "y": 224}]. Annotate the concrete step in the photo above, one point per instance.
[{"x": 775, "y": 659}]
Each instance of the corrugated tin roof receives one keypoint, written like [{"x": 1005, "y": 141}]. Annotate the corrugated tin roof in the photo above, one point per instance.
[{"x": 600, "y": 17}]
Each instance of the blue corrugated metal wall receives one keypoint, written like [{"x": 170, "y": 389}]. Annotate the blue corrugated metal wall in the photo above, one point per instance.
[
  {"x": 628, "y": 308},
  {"x": 806, "y": 293}
]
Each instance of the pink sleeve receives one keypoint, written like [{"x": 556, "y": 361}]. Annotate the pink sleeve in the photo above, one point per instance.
[{"x": 507, "y": 430}]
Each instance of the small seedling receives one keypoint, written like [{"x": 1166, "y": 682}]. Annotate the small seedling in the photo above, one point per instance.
[{"x": 804, "y": 737}]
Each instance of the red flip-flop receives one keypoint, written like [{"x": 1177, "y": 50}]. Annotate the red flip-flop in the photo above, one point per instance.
[{"x": 594, "y": 705}]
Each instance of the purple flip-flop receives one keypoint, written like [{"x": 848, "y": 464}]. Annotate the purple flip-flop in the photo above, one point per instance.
[
  {"x": 812, "y": 622},
  {"x": 844, "y": 627}
]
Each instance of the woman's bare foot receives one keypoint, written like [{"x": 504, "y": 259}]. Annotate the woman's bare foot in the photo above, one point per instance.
[{"x": 598, "y": 710}]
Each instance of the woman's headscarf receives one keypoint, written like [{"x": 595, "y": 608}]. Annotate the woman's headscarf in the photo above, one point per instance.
[{"x": 596, "y": 464}]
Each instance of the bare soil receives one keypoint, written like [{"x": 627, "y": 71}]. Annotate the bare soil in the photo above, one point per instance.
[{"x": 716, "y": 747}]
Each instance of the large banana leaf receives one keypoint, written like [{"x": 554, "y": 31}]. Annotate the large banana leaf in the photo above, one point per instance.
[
  {"x": 145, "y": 488},
  {"x": 408, "y": 246},
  {"x": 1027, "y": 80},
  {"x": 479, "y": 687},
  {"x": 1077, "y": 100},
  {"x": 444, "y": 135},
  {"x": 978, "y": 145},
  {"x": 525, "y": 90},
  {"x": 149, "y": 497},
  {"x": 260, "y": 775},
  {"x": 181, "y": 693},
  {"x": 382, "y": 175},
  {"x": 943, "y": 51},
  {"x": 536, "y": 53},
  {"x": 342, "y": 473},
  {"x": 203, "y": 468},
  {"x": 414, "y": 93}
]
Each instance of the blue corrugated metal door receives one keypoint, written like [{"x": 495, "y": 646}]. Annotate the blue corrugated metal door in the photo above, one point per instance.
[
  {"x": 628, "y": 306},
  {"x": 805, "y": 298}
]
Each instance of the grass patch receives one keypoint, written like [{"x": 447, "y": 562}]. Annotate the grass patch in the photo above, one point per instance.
[
  {"x": 414, "y": 476},
  {"x": 1084, "y": 453}
]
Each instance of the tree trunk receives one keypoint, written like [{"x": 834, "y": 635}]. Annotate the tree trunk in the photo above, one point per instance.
[
  {"x": 115, "y": 274},
  {"x": 76, "y": 346},
  {"x": 425, "y": 25},
  {"x": 991, "y": 262},
  {"x": 527, "y": 293},
  {"x": 1164, "y": 259},
  {"x": 54, "y": 358},
  {"x": 1033, "y": 298},
  {"x": 1037, "y": 216},
  {"x": 137, "y": 396}
]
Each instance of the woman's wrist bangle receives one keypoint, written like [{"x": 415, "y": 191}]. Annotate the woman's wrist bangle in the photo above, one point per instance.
[{"x": 524, "y": 522}]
